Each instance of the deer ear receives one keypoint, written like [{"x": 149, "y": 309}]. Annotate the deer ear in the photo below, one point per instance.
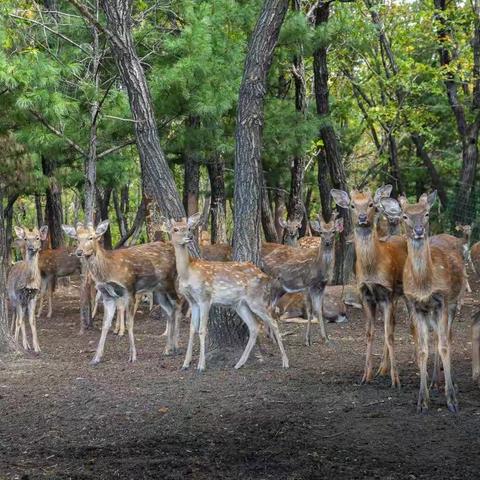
[
  {"x": 69, "y": 231},
  {"x": 43, "y": 232},
  {"x": 402, "y": 201},
  {"x": 390, "y": 207},
  {"x": 315, "y": 226},
  {"x": 382, "y": 192},
  {"x": 340, "y": 197},
  {"x": 432, "y": 197},
  {"x": 101, "y": 228},
  {"x": 282, "y": 223},
  {"x": 194, "y": 220},
  {"x": 339, "y": 225},
  {"x": 298, "y": 224},
  {"x": 165, "y": 224},
  {"x": 20, "y": 232},
  {"x": 458, "y": 227}
]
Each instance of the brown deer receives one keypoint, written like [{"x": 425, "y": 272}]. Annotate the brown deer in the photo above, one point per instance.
[
  {"x": 290, "y": 230},
  {"x": 433, "y": 281},
  {"x": 310, "y": 242},
  {"x": 24, "y": 283},
  {"x": 389, "y": 222},
  {"x": 379, "y": 269},
  {"x": 240, "y": 285},
  {"x": 121, "y": 274},
  {"x": 306, "y": 270}
]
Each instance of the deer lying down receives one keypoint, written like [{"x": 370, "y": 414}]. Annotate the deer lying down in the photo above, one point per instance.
[
  {"x": 121, "y": 274},
  {"x": 203, "y": 283},
  {"x": 24, "y": 282},
  {"x": 433, "y": 280}
]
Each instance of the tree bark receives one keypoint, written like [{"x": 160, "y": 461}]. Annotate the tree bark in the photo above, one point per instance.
[
  {"x": 120, "y": 213},
  {"x": 53, "y": 204},
  {"x": 338, "y": 178},
  {"x": 250, "y": 114},
  {"x": 191, "y": 177},
  {"x": 103, "y": 203},
  {"x": 8, "y": 215},
  {"x": 280, "y": 208},
  {"x": 218, "y": 204},
  {"x": 324, "y": 185},
  {"x": 38, "y": 210},
  {"x": 7, "y": 343},
  {"x": 135, "y": 228}
]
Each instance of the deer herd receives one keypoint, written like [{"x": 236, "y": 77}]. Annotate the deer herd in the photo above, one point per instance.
[{"x": 395, "y": 259}]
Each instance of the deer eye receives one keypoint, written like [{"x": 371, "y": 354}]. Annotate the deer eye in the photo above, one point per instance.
[
  {"x": 405, "y": 217},
  {"x": 427, "y": 214},
  {"x": 370, "y": 205},
  {"x": 38, "y": 238},
  {"x": 90, "y": 237},
  {"x": 175, "y": 229},
  {"x": 352, "y": 205}
]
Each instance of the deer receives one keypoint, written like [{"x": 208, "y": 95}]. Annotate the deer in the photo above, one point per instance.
[
  {"x": 389, "y": 223},
  {"x": 306, "y": 270},
  {"x": 240, "y": 285},
  {"x": 290, "y": 230},
  {"x": 24, "y": 283},
  {"x": 122, "y": 274},
  {"x": 379, "y": 273},
  {"x": 433, "y": 281}
]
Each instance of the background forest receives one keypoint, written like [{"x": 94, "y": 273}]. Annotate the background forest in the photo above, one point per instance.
[{"x": 359, "y": 93}]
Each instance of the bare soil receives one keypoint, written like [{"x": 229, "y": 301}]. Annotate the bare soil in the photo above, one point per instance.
[{"x": 61, "y": 418}]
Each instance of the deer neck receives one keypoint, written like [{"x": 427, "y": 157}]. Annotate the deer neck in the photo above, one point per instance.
[
  {"x": 325, "y": 258},
  {"x": 420, "y": 260},
  {"x": 33, "y": 268},
  {"x": 366, "y": 247},
  {"x": 182, "y": 259},
  {"x": 97, "y": 264}
]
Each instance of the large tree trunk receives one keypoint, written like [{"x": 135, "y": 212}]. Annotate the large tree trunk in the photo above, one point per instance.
[
  {"x": 246, "y": 237},
  {"x": 120, "y": 213},
  {"x": 218, "y": 205},
  {"x": 324, "y": 185},
  {"x": 38, "y": 210},
  {"x": 8, "y": 215},
  {"x": 279, "y": 212},
  {"x": 53, "y": 205},
  {"x": 191, "y": 177},
  {"x": 157, "y": 178},
  {"x": 135, "y": 228},
  {"x": 247, "y": 195},
  {"x": 103, "y": 202},
  {"x": 7, "y": 343},
  {"x": 338, "y": 178}
]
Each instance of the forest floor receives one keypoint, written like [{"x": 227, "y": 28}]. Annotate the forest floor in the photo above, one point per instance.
[{"x": 61, "y": 418}]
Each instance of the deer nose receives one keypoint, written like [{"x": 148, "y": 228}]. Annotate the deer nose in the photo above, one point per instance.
[
  {"x": 419, "y": 230},
  {"x": 79, "y": 252},
  {"x": 362, "y": 218}
]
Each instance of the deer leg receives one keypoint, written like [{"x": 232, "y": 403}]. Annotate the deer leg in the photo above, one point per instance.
[
  {"x": 194, "y": 326},
  {"x": 476, "y": 347},
  {"x": 316, "y": 295},
  {"x": 422, "y": 342},
  {"x": 121, "y": 312},
  {"x": 369, "y": 309},
  {"x": 150, "y": 295},
  {"x": 130, "y": 319},
  {"x": 95, "y": 304},
  {"x": 444, "y": 351},
  {"x": 21, "y": 318},
  {"x": 167, "y": 307},
  {"x": 109, "y": 311},
  {"x": 33, "y": 324},
  {"x": 389, "y": 323},
  {"x": 50, "y": 299},
  {"x": 43, "y": 287},
  {"x": 202, "y": 333},
  {"x": 178, "y": 317},
  {"x": 267, "y": 318},
  {"x": 137, "y": 303},
  {"x": 13, "y": 322},
  {"x": 246, "y": 315},
  {"x": 309, "y": 308}
]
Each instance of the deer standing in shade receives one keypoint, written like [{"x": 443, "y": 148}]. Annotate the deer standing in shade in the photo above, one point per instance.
[
  {"x": 240, "y": 285},
  {"x": 24, "y": 283}
]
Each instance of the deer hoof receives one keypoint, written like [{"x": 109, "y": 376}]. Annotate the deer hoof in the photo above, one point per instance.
[
  {"x": 453, "y": 406},
  {"x": 94, "y": 362},
  {"x": 185, "y": 367}
]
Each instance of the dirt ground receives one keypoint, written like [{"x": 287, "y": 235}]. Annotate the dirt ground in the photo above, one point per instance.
[{"x": 61, "y": 418}]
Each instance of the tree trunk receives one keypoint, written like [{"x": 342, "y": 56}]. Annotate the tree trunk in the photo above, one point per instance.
[
  {"x": 295, "y": 204},
  {"x": 437, "y": 182},
  {"x": 344, "y": 251},
  {"x": 38, "y": 210},
  {"x": 191, "y": 177},
  {"x": 226, "y": 327},
  {"x": 268, "y": 221},
  {"x": 324, "y": 185},
  {"x": 7, "y": 343},
  {"x": 120, "y": 214},
  {"x": 396, "y": 181},
  {"x": 216, "y": 174},
  {"x": 247, "y": 196},
  {"x": 280, "y": 208},
  {"x": 103, "y": 203},
  {"x": 8, "y": 215},
  {"x": 53, "y": 205},
  {"x": 158, "y": 180},
  {"x": 135, "y": 228}
]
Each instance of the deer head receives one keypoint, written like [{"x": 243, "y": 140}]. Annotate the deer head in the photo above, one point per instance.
[
  {"x": 291, "y": 228},
  {"x": 415, "y": 216},
  {"x": 328, "y": 230},
  {"x": 465, "y": 229},
  {"x": 31, "y": 240},
  {"x": 363, "y": 206},
  {"x": 181, "y": 232},
  {"x": 86, "y": 236}
]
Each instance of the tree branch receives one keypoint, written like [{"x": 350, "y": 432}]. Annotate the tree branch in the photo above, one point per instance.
[{"x": 116, "y": 148}]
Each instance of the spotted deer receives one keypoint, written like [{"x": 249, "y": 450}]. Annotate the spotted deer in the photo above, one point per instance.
[
  {"x": 379, "y": 273},
  {"x": 433, "y": 280},
  {"x": 290, "y": 230},
  {"x": 122, "y": 274},
  {"x": 240, "y": 285},
  {"x": 24, "y": 283},
  {"x": 306, "y": 270}
]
